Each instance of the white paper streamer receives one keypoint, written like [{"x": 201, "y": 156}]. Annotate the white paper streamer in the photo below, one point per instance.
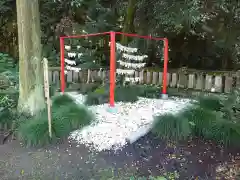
[
  {"x": 125, "y": 48},
  {"x": 125, "y": 71},
  {"x": 73, "y": 68},
  {"x": 72, "y": 54},
  {"x": 131, "y": 65},
  {"x": 70, "y": 62},
  {"x": 132, "y": 79},
  {"x": 133, "y": 57},
  {"x": 80, "y": 55},
  {"x": 67, "y": 47}
]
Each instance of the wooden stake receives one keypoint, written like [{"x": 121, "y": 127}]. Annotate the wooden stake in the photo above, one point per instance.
[{"x": 47, "y": 95}]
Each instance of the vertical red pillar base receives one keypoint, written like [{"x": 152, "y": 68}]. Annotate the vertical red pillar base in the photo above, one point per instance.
[
  {"x": 112, "y": 67},
  {"x": 112, "y": 109},
  {"x": 164, "y": 88},
  {"x": 164, "y": 96},
  {"x": 62, "y": 65}
]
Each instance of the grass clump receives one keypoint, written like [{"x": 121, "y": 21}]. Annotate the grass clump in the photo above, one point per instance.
[
  {"x": 172, "y": 127},
  {"x": 62, "y": 100},
  {"x": 210, "y": 102},
  {"x": 34, "y": 131},
  {"x": 148, "y": 91},
  {"x": 66, "y": 117},
  {"x": 122, "y": 93},
  {"x": 210, "y": 118},
  {"x": 128, "y": 93}
]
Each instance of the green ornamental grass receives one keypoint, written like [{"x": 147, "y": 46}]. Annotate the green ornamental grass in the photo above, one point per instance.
[
  {"x": 171, "y": 127},
  {"x": 66, "y": 117},
  {"x": 204, "y": 119}
]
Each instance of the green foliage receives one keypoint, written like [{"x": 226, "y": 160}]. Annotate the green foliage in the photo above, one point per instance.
[
  {"x": 34, "y": 131},
  {"x": 6, "y": 62},
  {"x": 129, "y": 93},
  {"x": 122, "y": 93},
  {"x": 211, "y": 103},
  {"x": 216, "y": 120},
  {"x": 8, "y": 104},
  {"x": 87, "y": 88},
  {"x": 9, "y": 81},
  {"x": 6, "y": 117},
  {"x": 62, "y": 100},
  {"x": 208, "y": 119},
  {"x": 149, "y": 91},
  {"x": 100, "y": 90},
  {"x": 201, "y": 119},
  {"x": 8, "y": 95},
  {"x": 65, "y": 118},
  {"x": 5, "y": 6},
  {"x": 172, "y": 127},
  {"x": 96, "y": 98},
  {"x": 187, "y": 25},
  {"x": 126, "y": 94}
]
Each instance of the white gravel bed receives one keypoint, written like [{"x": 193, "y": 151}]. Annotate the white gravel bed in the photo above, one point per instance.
[{"x": 130, "y": 122}]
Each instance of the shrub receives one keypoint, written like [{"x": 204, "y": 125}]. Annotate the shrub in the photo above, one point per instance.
[
  {"x": 122, "y": 93},
  {"x": 172, "y": 127},
  {"x": 88, "y": 88},
  {"x": 225, "y": 133},
  {"x": 8, "y": 103},
  {"x": 95, "y": 98},
  {"x": 34, "y": 131},
  {"x": 62, "y": 100},
  {"x": 65, "y": 118},
  {"x": 201, "y": 119},
  {"x": 78, "y": 116},
  {"x": 100, "y": 90},
  {"x": 149, "y": 91},
  {"x": 6, "y": 117},
  {"x": 205, "y": 119},
  {"x": 126, "y": 94},
  {"x": 210, "y": 102}
]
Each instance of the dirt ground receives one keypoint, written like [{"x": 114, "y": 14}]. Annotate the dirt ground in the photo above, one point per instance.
[{"x": 148, "y": 156}]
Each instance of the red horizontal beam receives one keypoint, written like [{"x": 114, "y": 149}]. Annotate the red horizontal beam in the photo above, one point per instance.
[
  {"x": 139, "y": 36},
  {"x": 85, "y": 35},
  {"x": 117, "y": 33}
]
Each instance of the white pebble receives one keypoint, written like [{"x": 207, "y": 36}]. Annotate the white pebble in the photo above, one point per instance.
[{"x": 132, "y": 120}]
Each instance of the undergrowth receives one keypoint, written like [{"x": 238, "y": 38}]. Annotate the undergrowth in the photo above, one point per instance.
[
  {"x": 128, "y": 93},
  {"x": 66, "y": 117},
  {"x": 8, "y": 103},
  {"x": 122, "y": 93},
  {"x": 210, "y": 118}
]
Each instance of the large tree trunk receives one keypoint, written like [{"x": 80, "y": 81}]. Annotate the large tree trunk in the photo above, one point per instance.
[
  {"x": 129, "y": 19},
  {"x": 31, "y": 95}
]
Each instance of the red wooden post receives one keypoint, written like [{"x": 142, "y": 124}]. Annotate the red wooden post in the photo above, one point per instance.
[
  {"x": 112, "y": 67},
  {"x": 164, "y": 90},
  {"x": 62, "y": 64}
]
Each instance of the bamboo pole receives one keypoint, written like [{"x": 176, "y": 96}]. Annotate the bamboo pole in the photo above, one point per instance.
[{"x": 47, "y": 95}]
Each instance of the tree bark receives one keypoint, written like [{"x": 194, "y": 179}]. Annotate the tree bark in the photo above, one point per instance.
[
  {"x": 129, "y": 19},
  {"x": 31, "y": 94}
]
